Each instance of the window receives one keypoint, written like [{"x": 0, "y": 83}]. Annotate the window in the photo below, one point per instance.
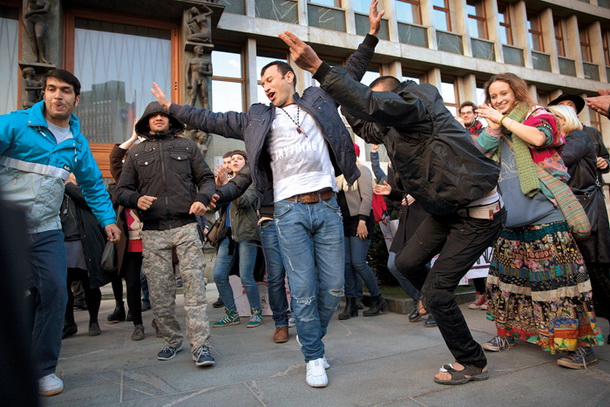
[
  {"x": 361, "y": 6},
  {"x": 506, "y": 36},
  {"x": 534, "y": 32},
  {"x": 559, "y": 40},
  {"x": 327, "y": 3},
  {"x": 480, "y": 91},
  {"x": 477, "y": 22},
  {"x": 408, "y": 11},
  {"x": 442, "y": 19},
  {"x": 449, "y": 94},
  {"x": 228, "y": 80},
  {"x": 415, "y": 76},
  {"x": 606, "y": 46},
  {"x": 9, "y": 33},
  {"x": 585, "y": 44},
  {"x": 112, "y": 62}
]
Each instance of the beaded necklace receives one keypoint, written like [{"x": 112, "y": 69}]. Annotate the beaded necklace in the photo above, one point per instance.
[{"x": 299, "y": 129}]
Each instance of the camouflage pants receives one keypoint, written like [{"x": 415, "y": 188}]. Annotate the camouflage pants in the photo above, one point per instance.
[{"x": 157, "y": 266}]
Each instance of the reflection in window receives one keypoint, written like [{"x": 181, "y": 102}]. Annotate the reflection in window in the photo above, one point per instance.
[
  {"x": 408, "y": 11},
  {"x": 534, "y": 32},
  {"x": 585, "y": 44},
  {"x": 442, "y": 20},
  {"x": 227, "y": 82},
  {"x": 506, "y": 36},
  {"x": 116, "y": 65},
  {"x": 449, "y": 94},
  {"x": 327, "y": 3},
  {"x": 9, "y": 30},
  {"x": 477, "y": 24},
  {"x": 561, "y": 48}
]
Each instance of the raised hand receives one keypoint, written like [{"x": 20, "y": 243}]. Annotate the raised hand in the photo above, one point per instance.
[
  {"x": 302, "y": 54},
  {"x": 375, "y": 18},
  {"x": 160, "y": 95}
]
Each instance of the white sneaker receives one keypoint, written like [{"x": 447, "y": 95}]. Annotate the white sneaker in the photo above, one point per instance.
[
  {"x": 316, "y": 374},
  {"x": 50, "y": 385},
  {"x": 325, "y": 362}
]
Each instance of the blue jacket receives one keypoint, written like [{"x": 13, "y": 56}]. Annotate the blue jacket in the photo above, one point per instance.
[
  {"x": 33, "y": 168},
  {"x": 254, "y": 127}
]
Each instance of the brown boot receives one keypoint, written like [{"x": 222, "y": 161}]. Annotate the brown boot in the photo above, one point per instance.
[{"x": 281, "y": 334}]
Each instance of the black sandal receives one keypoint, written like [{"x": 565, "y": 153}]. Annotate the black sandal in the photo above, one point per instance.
[{"x": 469, "y": 373}]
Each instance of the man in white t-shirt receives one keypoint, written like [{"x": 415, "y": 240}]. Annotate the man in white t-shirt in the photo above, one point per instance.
[{"x": 297, "y": 145}]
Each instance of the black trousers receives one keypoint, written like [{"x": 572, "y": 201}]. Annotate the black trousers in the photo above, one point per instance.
[{"x": 459, "y": 241}]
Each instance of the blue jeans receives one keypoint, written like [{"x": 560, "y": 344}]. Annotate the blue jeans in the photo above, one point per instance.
[
  {"x": 245, "y": 253},
  {"x": 48, "y": 295},
  {"x": 311, "y": 242},
  {"x": 356, "y": 250},
  {"x": 144, "y": 285},
  {"x": 403, "y": 281},
  {"x": 276, "y": 273}
]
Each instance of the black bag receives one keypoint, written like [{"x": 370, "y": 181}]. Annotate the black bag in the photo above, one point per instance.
[
  {"x": 218, "y": 231},
  {"x": 109, "y": 257}
]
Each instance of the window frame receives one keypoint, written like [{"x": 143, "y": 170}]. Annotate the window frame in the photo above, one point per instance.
[
  {"x": 504, "y": 10},
  {"x": 447, "y": 11},
  {"x": 559, "y": 38},
  {"x": 238, "y": 49},
  {"x": 532, "y": 16},
  {"x": 606, "y": 46},
  {"x": 585, "y": 45},
  {"x": 416, "y": 3},
  {"x": 482, "y": 19}
]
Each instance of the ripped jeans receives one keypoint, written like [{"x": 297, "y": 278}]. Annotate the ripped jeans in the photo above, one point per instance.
[{"x": 311, "y": 241}]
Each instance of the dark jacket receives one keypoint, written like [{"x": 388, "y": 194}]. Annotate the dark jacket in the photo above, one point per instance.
[
  {"x": 90, "y": 234},
  {"x": 431, "y": 151},
  {"x": 579, "y": 156},
  {"x": 169, "y": 168},
  {"x": 254, "y": 127},
  {"x": 600, "y": 149}
]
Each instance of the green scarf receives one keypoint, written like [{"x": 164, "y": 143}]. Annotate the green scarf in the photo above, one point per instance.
[{"x": 526, "y": 168}]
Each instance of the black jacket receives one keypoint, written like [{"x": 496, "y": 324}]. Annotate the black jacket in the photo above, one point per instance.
[
  {"x": 254, "y": 127},
  {"x": 168, "y": 167},
  {"x": 90, "y": 233},
  {"x": 432, "y": 153}
]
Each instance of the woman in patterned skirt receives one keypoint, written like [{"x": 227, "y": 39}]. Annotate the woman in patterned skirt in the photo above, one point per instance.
[{"x": 538, "y": 286}]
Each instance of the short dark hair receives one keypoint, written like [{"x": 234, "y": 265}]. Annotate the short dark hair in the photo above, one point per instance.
[
  {"x": 242, "y": 153},
  {"x": 228, "y": 154},
  {"x": 387, "y": 82},
  {"x": 467, "y": 103},
  {"x": 64, "y": 76},
  {"x": 283, "y": 67}
]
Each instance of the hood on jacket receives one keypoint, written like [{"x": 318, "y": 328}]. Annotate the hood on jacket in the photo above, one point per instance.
[{"x": 154, "y": 108}]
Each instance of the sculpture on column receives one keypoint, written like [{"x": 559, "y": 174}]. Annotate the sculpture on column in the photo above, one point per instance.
[
  {"x": 36, "y": 26},
  {"x": 197, "y": 71},
  {"x": 199, "y": 24},
  {"x": 201, "y": 138},
  {"x": 32, "y": 88}
]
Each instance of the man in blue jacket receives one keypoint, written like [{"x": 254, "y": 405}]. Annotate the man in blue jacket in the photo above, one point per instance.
[
  {"x": 297, "y": 145},
  {"x": 39, "y": 148}
]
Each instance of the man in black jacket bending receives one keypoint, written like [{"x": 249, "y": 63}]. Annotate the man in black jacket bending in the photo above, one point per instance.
[
  {"x": 168, "y": 181},
  {"x": 440, "y": 166}
]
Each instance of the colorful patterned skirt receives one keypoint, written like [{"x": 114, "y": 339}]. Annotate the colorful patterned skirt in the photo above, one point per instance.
[{"x": 539, "y": 289}]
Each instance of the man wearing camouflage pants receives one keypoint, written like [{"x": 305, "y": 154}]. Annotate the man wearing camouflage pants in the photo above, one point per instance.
[{"x": 167, "y": 180}]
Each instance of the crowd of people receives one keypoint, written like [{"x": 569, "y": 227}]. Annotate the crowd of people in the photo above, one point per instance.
[{"x": 299, "y": 196}]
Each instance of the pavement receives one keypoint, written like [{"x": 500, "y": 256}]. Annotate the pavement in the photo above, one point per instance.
[{"x": 376, "y": 361}]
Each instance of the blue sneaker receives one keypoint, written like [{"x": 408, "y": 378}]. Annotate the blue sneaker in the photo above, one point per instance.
[
  {"x": 203, "y": 357},
  {"x": 169, "y": 352}
]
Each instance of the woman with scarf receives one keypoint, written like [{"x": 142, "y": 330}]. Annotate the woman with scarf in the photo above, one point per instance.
[
  {"x": 538, "y": 286},
  {"x": 580, "y": 157}
]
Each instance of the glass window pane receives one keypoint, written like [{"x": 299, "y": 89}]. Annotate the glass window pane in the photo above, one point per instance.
[
  {"x": 448, "y": 92},
  {"x": 328, "y": 3},
  {"x": 439, "y": 3},
  {"x": 362, "y": 6},
  {"x": 227, "y": 96},
  {"x": 440, "y": 20},
  {"x": 9, "y": 30},
  {"x": 407, "y": 13},
  {"x": 115, "y": 82},
  {"x": 503, "y": 31},
  {"x": 226, "y": 64}
]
